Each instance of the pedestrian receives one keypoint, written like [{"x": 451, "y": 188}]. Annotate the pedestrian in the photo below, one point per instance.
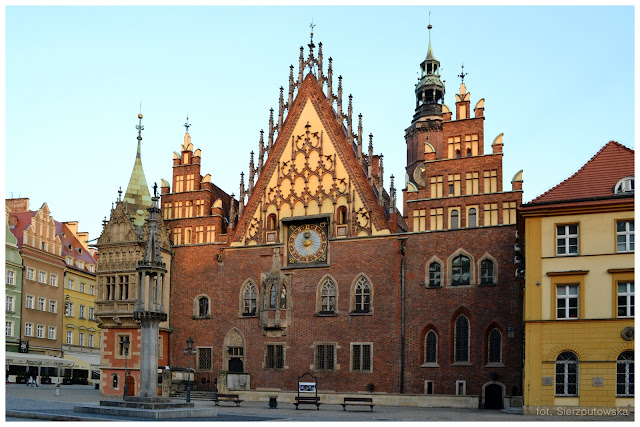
[
  {"x": 35, "y": 381},
  {"x": 28, "y": 381}
]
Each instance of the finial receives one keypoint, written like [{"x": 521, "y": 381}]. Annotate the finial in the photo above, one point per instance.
[
  {"x": 119, "y": 193},
  {"x": 462, "y": 74},
  {"x": 187, "y": 125},
  {"x": 429, "y": 26},
  {"x": 312, "y": 26},
  {"x": 139, "y": 125}
]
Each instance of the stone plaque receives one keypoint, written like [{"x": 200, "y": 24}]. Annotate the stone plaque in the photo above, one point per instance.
[
  {"x": 598, "y": 381},
  {"x": 547, "y": 380}
]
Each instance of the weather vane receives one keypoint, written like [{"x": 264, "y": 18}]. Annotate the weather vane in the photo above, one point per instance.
[
  {"x": 462, "y": 74},
  {"x": 312, "y": 26},
  {"x": 139, "y": 126},
  {"x": 187, "y": 125}
]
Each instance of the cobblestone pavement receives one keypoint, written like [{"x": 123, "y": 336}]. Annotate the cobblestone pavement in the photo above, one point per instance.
[{"x": 41, "y": 403}]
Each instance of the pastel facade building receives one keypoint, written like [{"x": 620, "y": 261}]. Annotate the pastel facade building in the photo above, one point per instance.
[
  {"x": 579, "y": 295},
  {"x": 13, "y": 290}
]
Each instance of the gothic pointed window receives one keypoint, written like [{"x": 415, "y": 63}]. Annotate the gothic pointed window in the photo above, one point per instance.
[
  {"x": 486, "y": 272},
  {"x": 363, "y": 295},
  {"x": 342, "y": 215},
  {"x": 434, "y": 274},
  {"x": 462, "y": 339},
  {"x": 461, "y": 271},
  {"x": 495, "y": 346},
  {"x": 271, "y": 222},
  {"x": 328, "y": 297},
  {"x": 249, "y": 300},
  {"x": 431, "y": 347}
]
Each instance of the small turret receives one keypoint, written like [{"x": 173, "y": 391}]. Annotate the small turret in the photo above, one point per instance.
[{"x": 430, "y": 89}]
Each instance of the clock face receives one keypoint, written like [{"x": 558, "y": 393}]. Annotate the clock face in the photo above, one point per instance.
[{"x": 307, "y": 244}]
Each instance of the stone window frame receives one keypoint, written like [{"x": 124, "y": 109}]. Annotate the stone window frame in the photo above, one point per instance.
[
  {"x": 352, "y": 296},
  {"x": 265, "y": 360},
  {"x": 241, "y": 299},
  {"x": 69, "y": 337},
  {"x": 627, "y": 294},
  {"x": 566, "y": 238},
  {"x": 42, "y": 302},
  {"x": 485, "y": 257},
  {"x": 42, "y": 277},
  {"x": 426, "y": 363},
  {"x": 28, "y": 329},
  {"x": 11, "y": 277},
  {"x": 457, "y": 210},
  {"x": 31, "y": 274},
  {"x": 40, "y": 331},
  {"x": 116, "y": 351},
  {"x": 490, "y": 340},
  {"x": 196, "y": 307},
  {"x": 27, "y": 298},
  {"x": 10, "y": 303},
  {"x": 468, "y": 216},
  {"x": 427, "y": 276},
  {"x": 115, "y": 381},
  {"x": 336, "y": 347},
  {"x": 352, "y": 359},
  {"x": 9, "y": 328},
  {"x": 319, "y": 300},
  {"x": 197, "y": 359},
  {"x": 53, "y": 306},
  {"x": 472, "y": 272},
  {"x": 53, "y": 280},
  {"x": 426, "y": 387},
  {"x": 466, "y": 362},
  {"x": 461, "y": 388}
]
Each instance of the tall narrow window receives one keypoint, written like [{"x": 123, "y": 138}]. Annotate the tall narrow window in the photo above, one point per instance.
[
  {"x": 271, "y": 222},
  {"x": 124, "y": 287},
  {"x": 461, "y": 271},
  {"x": 431, "y": 347},
  {"x": 436, "y": 186},
  {"x": 462, "y": 339},
  {"x": 437, "y": 215},
  {"x": 273, "y": 295},
  {"x": 434, "y": 274},
  {"x": 495, "y": 346},
  {"x": 455, "y": 219},
  {"x": 363, "y": 295},
  {"x": 486, "y": 272},
  {"x": 419, "y": 219},
  {"x": 472, "y": 221},
  {"x": 491, "y": 214},
  {"x": 342, "y": 215},
  {"x": 250, "y": 296},
  {"x": 509, "y": 212},
  {"x": 625, "y": 375},
  {"x": 472, "y": 181},
  {"x": 361, "y": 357},
  {"x": 324, "y": 357},
  {"x": 283, "y": 297},
  {"x": 274, "y": 357},
  {"x": 203, "y": 306},
  {"x": 567, "y": 374},
  {"x": 328, "y": 296}
]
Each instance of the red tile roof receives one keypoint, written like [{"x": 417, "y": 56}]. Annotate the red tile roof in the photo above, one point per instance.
[
  {"x": 24, "y": 220},
  {"x": 596, "y": 179},
  {"x": 68, "y": 239}
]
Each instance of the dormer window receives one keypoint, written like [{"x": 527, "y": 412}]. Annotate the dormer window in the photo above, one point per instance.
[
  {"x": 80, "y": 264},
  {"x": 69, "y": 260},
  {"x": 625, "y": 185}
]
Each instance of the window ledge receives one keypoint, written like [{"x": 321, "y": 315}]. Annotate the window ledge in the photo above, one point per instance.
[
  {"x": 494, "y": 365},
  {"x": 326, "y": 314},
  {"x": 433, "y": 287},
  {"x": 194, "y": 317},
  {"x": 482, "y": 285},
  {"x": 430, "y": 365},
  {"x": 461, "y": 364},
  {"x": 361, "y": 313},
  {"x": 248, "y": 316}
]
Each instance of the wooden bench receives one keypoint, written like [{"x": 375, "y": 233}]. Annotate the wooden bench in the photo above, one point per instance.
[
  {"x": 357, "y": 401},
  {"x": 227, "y": 398},
  {"x": 307, "y": 400}
]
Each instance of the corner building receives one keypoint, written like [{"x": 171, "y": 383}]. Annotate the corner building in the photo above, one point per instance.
[{"x": 312, "y": 268}]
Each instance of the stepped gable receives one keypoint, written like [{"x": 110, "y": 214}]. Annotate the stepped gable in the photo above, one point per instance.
[
  {"x": 311, "y": 90},
  {"x": 595, "y": 179}
]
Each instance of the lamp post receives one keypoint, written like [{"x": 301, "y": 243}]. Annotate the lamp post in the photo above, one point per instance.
[
  {"x": 189, "y": 351},
  {"x": 125, "y": 348},
  {"x": 510, "y": 332}
]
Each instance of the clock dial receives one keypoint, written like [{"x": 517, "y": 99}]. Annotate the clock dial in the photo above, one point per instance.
[{"x": 307, "y": 244}]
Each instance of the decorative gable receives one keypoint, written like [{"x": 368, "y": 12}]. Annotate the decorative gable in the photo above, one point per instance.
[
  {"x": 312, "y": 169},
  {"x": 119, "y": 228}
]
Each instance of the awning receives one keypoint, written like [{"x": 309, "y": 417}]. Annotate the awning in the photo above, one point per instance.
[
  {"x": 84, "y": 360},
  {"x": 32, "y": 359}
]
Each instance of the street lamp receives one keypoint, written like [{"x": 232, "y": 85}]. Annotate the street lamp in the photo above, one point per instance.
[
  {"x": 125, "y": 348},
  {"x": 510, "y": 332},
  {"x": 188, "y": 351}
]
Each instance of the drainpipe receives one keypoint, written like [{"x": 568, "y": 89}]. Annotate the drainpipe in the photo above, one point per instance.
[{"x": 403, "y": 249}]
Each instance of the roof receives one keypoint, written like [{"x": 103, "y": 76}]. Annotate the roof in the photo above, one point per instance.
[
  {"x": 595, "y": 180},
  {"x": 137, "y": 195},
  {"x": 70, "y": 246},
  {"x": 23, "y": 221}
]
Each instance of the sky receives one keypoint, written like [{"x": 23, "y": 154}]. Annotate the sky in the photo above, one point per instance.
[{"x": 558, "y": 81}]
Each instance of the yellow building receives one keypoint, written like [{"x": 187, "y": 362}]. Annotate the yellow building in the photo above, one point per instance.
[
  {"x": 81, "y": 335},
  {"x": 579, "y": 289}
]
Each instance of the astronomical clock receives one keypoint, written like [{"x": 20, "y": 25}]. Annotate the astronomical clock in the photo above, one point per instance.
[{"x": 308, "y": 242}]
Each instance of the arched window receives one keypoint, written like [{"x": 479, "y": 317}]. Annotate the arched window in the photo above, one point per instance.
[
  {"x": 495, "y": 346},
  {"x": 283, "y": 297},
  {"x": 461, "y": 271},
  {"x": 567, "y": 374},
  {"x": 431, "y": 347},
  {"x": 249, "y": 300},
  {"x": 203, "y": 306},
  {"x": 471, "y": 222},
  {"x": 625, "y": 185},
  {"x": 455, "y": 219},
  {"x": 462, "y": 339},
  {"x": 271, "y": 222},
  {"x": 625, "y": 374},
  {"x": 342, "y": 215},
  {"x": 434, "y": 274},
  {"x": 328, "y": 296},
  {"x": 363, "y": 296},
  {"x": 486, "y": 272},
  {"x": 273, "y": 294},
  {"x": 114, "y": 380}
]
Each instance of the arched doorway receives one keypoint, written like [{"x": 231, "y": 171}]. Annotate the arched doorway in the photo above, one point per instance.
[
  {"x": 493, "y": 395},
  {"x": 131, "y": 386},
  {"x": 233, "y": 352}
]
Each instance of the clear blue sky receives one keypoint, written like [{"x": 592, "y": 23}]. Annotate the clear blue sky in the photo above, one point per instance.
[{"x": 558, "y": 81}]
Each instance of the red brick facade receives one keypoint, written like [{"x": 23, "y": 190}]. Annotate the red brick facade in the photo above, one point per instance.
[{"x": 403, "y": 305}]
